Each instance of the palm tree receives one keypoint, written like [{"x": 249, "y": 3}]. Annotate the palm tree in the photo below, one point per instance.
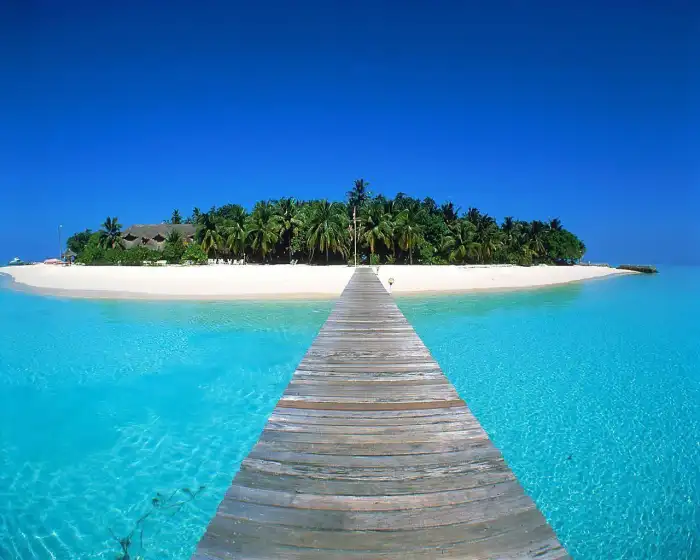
[
  {"x": 535, "y": 238},
  {"x": 461, "y": 243},
  {"x": 512, "y": 239},
  {"x": 327, "y": 224},
  {"x": 525, "y": 253},
  {"x": 359, "y": 194},
  {"x": 111, "y": 234},
  {"x": 429, "y": 205},
  {"x": 196, "y": 215},
  {"x": 78, "y": 241},
  {"x": 208, "y": 234},
  {"x": 555, "y": 224},
  {"x": 408, "y": 231},
  {"x": 263, "y": 229},
  {"x": 402, "y": 201},
  {"x": 377, "y": 226},
  {"x": 176, "y": 218},
  {"x": 288, "y": 210},
  {"x": 228, "y": 211},
  {"x": 474, "y": 215},
  {"x": 508, "y": 225},
  {"x": 235, "y": 230},
  {"x": 449, "y": 212},
  {"x": 487, "y": 235},
  {"x": 174, "y": 237}
]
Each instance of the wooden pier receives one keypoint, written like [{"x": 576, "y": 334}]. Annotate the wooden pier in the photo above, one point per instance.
[{"x": 370, "y": 453}]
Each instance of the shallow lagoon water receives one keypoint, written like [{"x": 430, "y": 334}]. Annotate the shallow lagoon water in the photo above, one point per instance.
[
  {"x": 103, "y": 404},
  {"x": 592, "y": 391}
]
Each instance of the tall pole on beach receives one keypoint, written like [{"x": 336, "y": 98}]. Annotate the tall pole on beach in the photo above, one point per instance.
[
  {"x": 60, "y": 250},
  {"x": 354, "y": 227}
]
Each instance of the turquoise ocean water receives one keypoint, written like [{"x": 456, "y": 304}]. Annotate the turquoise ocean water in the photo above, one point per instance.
[
  {"x": 103, "y": 404},
  {"x": 592, "y": 391}
]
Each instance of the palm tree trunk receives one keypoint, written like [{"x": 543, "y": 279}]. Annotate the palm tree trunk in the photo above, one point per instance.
[
  {"x": 410, "y": 254},
  {"x": 326, "y": 254}
]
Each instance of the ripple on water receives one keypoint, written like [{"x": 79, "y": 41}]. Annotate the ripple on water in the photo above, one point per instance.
[
  {"x": 592, "y": 392},
  {"x": 103, "y": 404}
]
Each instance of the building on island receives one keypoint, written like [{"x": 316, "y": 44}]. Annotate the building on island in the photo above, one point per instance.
[{"x": 154, "y": 236}]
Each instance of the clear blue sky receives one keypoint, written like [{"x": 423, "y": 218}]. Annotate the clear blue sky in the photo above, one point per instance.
[{"x": 588, "y": 111}]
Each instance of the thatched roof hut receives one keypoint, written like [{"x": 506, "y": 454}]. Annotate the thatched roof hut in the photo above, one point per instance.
[{"x": 154, "y": 236}]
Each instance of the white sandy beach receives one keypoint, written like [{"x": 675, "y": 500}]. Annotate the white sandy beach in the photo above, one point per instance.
[{"x": 282, "y": 281}]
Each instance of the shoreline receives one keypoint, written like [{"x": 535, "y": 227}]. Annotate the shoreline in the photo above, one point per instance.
[{"x": 284, "y": 282}]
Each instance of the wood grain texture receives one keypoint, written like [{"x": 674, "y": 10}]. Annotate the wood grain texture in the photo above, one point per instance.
[{"x": 371, "y": 453}]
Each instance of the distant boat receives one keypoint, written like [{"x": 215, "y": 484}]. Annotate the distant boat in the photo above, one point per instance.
[{"x": 16, "y": 262}]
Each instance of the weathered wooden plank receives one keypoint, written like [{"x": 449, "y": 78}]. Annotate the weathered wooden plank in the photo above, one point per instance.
[
  {"x": 381, "y": 395},
  {"x": 367, "y": 503},
  {"x": 398, "y": 420},
  {"x": 379, "y": 473},
  {"x": 388, "y": 485},
  {"x": 479, "y": 450},
  {"x": 389, "y": 447},
  {"x": 317, "y": 404},
  {"x": 455, "y": 534},
  {"x": 377, "y": 391},
  {"x": 371, "y": 453},
  {"x": 401, "y": 430},
  {"x": 407, "y": 436},
  {"x": 480, "y": 510},
  {"x": 369, "y": 378},
  {"x": 386, "y": 368},
  {"x": 456, "y": 410}
]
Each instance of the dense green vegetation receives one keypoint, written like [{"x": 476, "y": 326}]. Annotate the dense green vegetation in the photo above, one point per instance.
[{"x": 399, "y": 230}]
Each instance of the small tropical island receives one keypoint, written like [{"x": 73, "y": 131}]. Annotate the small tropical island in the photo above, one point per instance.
[{"x": 403, "y": 237}]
